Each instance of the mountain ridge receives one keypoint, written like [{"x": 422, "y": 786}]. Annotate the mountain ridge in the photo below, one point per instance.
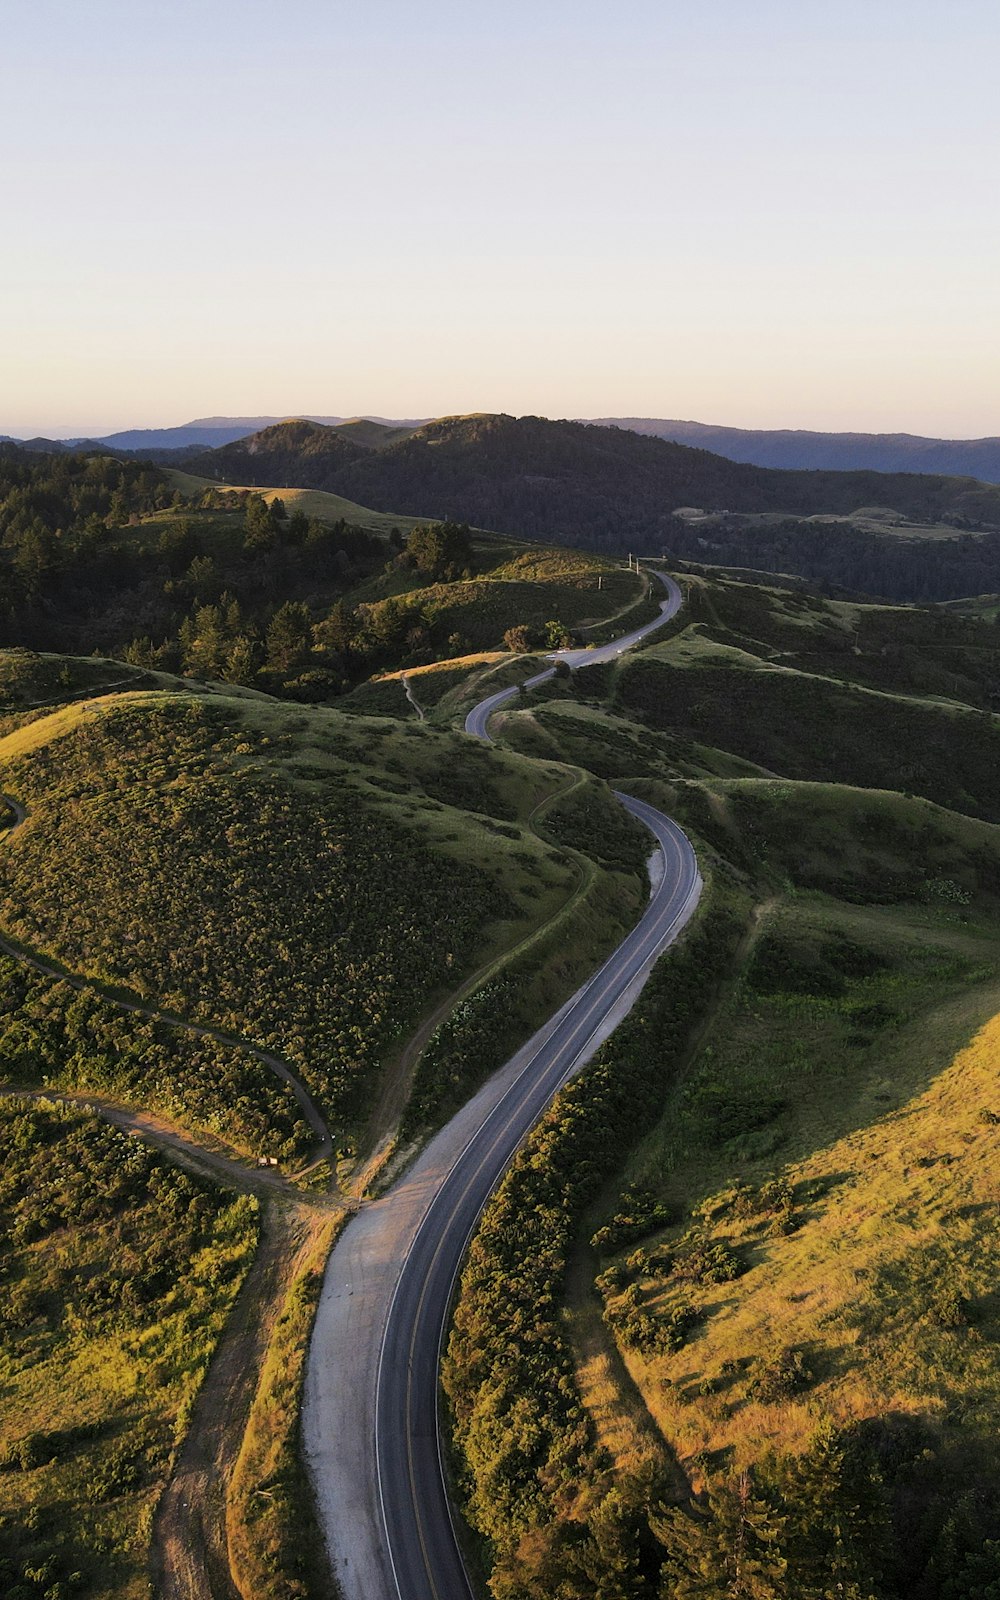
[
  {"x": 792, "y": 449},
  {"x": 605, "y": 487}
]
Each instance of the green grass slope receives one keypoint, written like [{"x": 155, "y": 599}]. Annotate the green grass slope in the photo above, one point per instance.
[
  {"x": 754, "y": 678},
  {"x": 806, "y": 1241},
  {"x": 308, "y": 882}
]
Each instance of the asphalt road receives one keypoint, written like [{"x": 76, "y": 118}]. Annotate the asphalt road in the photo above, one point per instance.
[
  {"x": 423, "y": 1550},
  {"x": 370, "y": 1416},
  {"x": 424, "y": 1555},
  {"x": 479, "y": 716}
]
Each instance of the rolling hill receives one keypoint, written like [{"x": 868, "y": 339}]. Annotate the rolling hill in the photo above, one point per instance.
[
  {"x": 296, "y": 932},
  {"x": 175, "y": 846},
  {"x": 602, "y": 487},
  {"x": 781, "y": 1338}
]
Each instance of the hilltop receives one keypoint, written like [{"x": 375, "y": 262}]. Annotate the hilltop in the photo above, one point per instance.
[
  {"x": 602, "y": 487},
  {"x": 177, "y": 846}
]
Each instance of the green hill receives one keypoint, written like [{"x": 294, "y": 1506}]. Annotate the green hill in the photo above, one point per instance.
[
  {"x": 780, "y": 1337},
  {"x": 177, "y": 847},
  {"x": 827, "y": 1161},
  {"x": 788, "y": 683},
  {"x": 601, "y": 487}
]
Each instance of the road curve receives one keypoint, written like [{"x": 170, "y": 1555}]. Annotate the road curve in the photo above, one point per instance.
[
  {"x": 479, "y": 716},
  {"x": 370, "y": 1419},
  {"x": 424, "y": 1553}
]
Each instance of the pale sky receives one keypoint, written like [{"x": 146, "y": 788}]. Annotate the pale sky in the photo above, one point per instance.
[{"x": 763, "y": 213}]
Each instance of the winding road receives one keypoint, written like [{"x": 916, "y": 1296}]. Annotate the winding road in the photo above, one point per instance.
[
  {"x": 479, "y": 716},
  {"x": 370, "y": 1418}
]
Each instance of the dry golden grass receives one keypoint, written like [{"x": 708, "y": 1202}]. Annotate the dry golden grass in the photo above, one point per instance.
[{"x": 900, "y": 1211}]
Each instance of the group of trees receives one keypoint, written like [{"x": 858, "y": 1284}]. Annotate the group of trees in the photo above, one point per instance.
[
  {"x": 841, "y": 556},
  {"x": 608, "y": 489},
  {"x": 96, "y": 554},
  {"x": 238, "y": 588},
  {"x": 57, "y": 516}
]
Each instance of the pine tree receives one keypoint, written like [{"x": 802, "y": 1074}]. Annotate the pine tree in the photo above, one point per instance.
[
  {"x": 836, "y": 1519},
  {"x": 729, "y": 1548}
]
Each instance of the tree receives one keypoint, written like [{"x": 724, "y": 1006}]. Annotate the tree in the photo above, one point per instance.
[
  {"x": 730, "y": 1546},
  {"x": 288, "y": 637},
  {"x": 259, "y": 524},
  {"x": 240, "y": 661},
  {"x": 203, "y": 643},
  {"x": 836, "y": 1517},
  {"x": 442, "y": 550},
  {"x": 520, "y": 638}
]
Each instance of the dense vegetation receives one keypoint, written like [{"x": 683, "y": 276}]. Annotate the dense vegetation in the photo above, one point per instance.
[
  {"x": 838, "y": 555},
  {"x": 296, "y": 452},
  {"x": 96, "y": 556},
  {"x": 118, "y": 1271},
  {"x": 163, "y": 855},
  {"x": 538, "y": 1490},
  {"x": 95, "y": 553},
  {"x": 56, "y": 1035},
  {"x": 603, "y": 488}
]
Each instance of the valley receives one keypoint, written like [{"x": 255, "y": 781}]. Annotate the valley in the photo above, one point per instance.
[{"x": 736, "y": 1247}]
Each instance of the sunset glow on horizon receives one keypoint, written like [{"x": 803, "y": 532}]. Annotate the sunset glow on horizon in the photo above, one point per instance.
[{"x": 777, "y": 216}]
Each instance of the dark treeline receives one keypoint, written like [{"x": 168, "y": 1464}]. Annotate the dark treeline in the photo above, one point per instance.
[
  {"x": 100, "y": 555},
  {"x": 599, "y": 488},
  {"x": 837, "y": 555}
]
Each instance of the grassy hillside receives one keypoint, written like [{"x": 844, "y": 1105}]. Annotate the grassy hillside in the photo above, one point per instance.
[
  {"x": 118, "y": 1273},
  {"x": 758, "y": 679},
  {"x": 793, "y": 1311},
  {"x": 313, "y": 502},
  {"x": 177, "y": 848},
  {"x": 806, "y": 726},
  {"x": 805, "y": 1244}
]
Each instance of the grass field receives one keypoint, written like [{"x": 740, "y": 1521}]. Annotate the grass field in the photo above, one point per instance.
[
  {"x": 314, "y": 502},
  {"x": 176, "y": 846}
]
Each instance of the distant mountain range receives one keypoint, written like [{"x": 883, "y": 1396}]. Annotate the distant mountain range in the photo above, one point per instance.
[
  {"x": 785, "y": 448},
  {"x": 800, "y": 450},
  {"x": 203, "y": 433}
]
